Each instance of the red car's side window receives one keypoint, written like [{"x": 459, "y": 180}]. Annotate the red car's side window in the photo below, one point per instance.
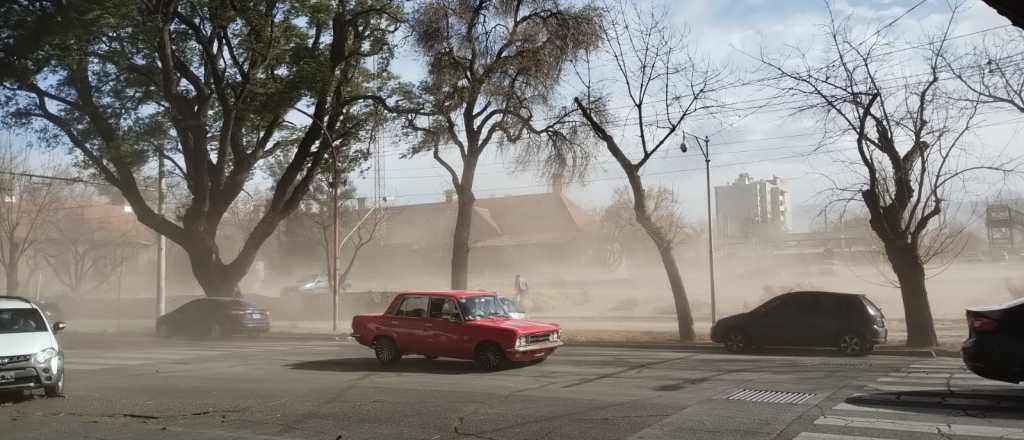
[{"x": 413, "y": 307}]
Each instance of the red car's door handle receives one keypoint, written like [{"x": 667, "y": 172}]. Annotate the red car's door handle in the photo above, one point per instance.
[
  {"x": 428, "y": 325},
  {"x": 394, "y": 322}
]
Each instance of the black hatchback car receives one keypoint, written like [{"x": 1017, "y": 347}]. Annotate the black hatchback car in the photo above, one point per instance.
[
  {"x": 214, "y": 318},
  {"x": 994, "y": 348},
  {"x": 849, "y": 322}
]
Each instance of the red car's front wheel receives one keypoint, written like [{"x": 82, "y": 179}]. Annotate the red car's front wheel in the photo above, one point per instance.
[{"x": 489, "y": 356}]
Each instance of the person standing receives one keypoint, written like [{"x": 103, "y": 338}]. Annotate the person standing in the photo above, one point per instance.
[{"x": 522, "y": 289}]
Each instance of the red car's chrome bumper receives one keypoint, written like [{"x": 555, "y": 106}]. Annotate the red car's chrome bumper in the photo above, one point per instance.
[
  {"x": 530, "y": 356},
  {"x": 535, "y": 347}
]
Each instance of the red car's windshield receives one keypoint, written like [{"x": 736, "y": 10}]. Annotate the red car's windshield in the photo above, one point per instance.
[{"x": 485, "y": 306}]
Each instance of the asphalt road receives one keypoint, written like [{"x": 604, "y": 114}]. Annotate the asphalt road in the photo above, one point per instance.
[{"x": 319, "y": 388}]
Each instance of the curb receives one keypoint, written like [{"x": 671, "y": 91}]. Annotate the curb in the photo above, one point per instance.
[{"x": 715, "y": 348}]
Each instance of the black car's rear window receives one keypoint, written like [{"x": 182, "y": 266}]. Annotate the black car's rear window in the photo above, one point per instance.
[
  {"x": 238, "y": 304},
  {"x": 871, "y": 306}
]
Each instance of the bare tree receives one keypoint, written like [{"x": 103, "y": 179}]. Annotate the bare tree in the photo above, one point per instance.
[
  {"x": 908, "y": 134},
  {"x": 991, "y": 71},
  {"x": 363, "y": 235},
  {"x": 493, "y": 68},
  {"x": 25, "y": 206},
  {"x": 86, "y": 246},
  {"x": 663, "y": 85},
  {"x": 624, "y": 235}
]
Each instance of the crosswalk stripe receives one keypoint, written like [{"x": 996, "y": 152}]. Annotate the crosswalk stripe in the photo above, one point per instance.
[
  {"x": 937, "y": 366},
  {"x": 850, "y": 407},
  {"x": 911, "y": 426},
  {"x": 954, "y": 383},
  {"x": 955, "y": 375},
  {"x": 819, "y": 436},
  {"x": 936, "y": 370},
  {"x": 982, "y": 389}
]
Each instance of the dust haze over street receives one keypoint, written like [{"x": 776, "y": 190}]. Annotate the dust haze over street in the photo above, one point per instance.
[{"x": 511, "y": 219}]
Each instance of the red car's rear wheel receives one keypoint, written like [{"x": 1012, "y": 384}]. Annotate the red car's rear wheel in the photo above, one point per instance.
[{"x": 386, "y": 351}]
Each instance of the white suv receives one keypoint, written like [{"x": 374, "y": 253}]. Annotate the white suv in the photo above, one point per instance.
[{"x": 30, "y": 356}]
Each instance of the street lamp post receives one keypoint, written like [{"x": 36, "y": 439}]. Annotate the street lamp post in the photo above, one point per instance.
[
  {"x": 161, "y": 244},
  {"x": 705, "y": 150}
]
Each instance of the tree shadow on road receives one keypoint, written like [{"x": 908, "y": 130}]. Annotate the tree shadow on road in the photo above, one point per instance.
[
  {"x": 981, "y": 402},
  {"x": 413, "y": 365}
]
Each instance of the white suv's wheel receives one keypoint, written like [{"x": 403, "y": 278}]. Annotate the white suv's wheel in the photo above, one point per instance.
[{"x": 57, "y": 389}]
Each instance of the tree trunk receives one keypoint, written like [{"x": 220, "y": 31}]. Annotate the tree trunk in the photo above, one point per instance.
[
  {"x": 217, "y": 279},
  {"x": 684, "y": 316},
  {"x": 460, "y": 240},
  {"x": 906, "y": 263},
  {"x": 11, "y": 275}
]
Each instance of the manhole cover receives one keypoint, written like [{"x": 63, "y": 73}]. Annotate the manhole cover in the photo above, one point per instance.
[{"x": 770, "y": 396}]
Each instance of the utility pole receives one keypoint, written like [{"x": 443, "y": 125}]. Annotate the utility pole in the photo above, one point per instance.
[
  {"x": 333, "y": 266},
  {"x": 705, "y": 150},
  {"x": 161, "y": 244}
]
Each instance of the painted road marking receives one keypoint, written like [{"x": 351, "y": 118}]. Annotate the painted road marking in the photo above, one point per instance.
[
  {"x": 929, "y": 427},
  {"x": 819, "y": 436}
]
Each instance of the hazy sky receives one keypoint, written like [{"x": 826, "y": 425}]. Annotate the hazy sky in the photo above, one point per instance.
[
  {"x": 766, "y": 143},
  {"x": 769, "y": 142}
]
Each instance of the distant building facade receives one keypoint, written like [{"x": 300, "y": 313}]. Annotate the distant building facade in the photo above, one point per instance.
[
  {"x": 534, "y": 235},
  {"x": 749, "y": 209}
]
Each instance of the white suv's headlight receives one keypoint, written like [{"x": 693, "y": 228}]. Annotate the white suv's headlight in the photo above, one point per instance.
[{"x": 45, "y": 355}]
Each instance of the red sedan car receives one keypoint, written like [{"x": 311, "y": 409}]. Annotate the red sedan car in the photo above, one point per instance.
[{"x": 455, "y": 324}]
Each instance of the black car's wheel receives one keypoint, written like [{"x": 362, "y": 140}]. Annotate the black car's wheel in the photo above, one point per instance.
[
  {"x": 853, "y": 344},
  {"x": 489, "y": 357},
  {"x": 737, "y": 341},
  {"x": 386, "y": 351},
  {"x": 57, "y": 389}
]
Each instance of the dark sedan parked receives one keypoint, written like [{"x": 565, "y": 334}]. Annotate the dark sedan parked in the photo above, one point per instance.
[
  {"x": 214, "y": 318},
  {"x": 850, "y": 322},
  {"x": 994, "y": 348}
]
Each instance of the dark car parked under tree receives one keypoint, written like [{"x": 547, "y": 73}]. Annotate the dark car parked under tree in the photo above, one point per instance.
[
  {"x": 214, "y": 318},
  {"x": 849, "y": 322},
  {"x": 994, "y": 348}
]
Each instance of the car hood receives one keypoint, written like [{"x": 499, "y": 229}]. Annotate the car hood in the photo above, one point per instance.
[
  {"x": 519, "y": 325},
  {"x": 1015, "y": 303},
  {"x": 729, "y": 320},
  {"x": 25, "y": 343}
]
